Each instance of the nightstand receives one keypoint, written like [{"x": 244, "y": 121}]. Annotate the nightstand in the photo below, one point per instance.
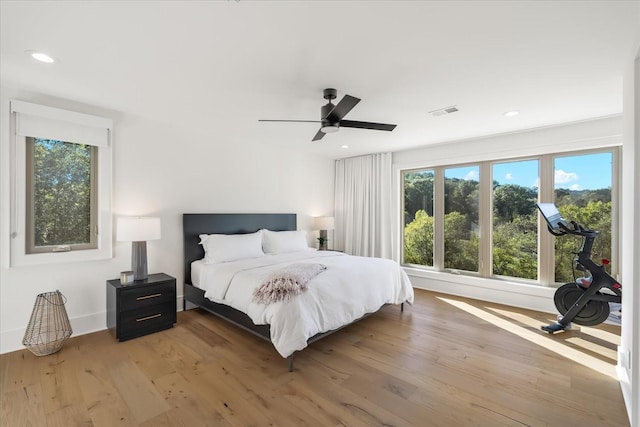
[{"x": 142, "y": 307}]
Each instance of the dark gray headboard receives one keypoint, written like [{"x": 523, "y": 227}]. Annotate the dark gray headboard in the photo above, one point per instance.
[{"x": 195, "y": 224}]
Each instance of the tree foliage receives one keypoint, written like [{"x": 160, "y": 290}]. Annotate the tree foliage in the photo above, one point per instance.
[
  {"x": 418, "y": 194},
  {"x": 512, "y": 201},
  {"x": 418, "y": 240},
  {"x": 595, "y": 215},
  {"x": 515, "y": 226},
  {"x": 62, "y": 192}
]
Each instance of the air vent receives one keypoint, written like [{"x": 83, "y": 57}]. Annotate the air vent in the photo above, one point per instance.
[{"x": 443, "y": 111}]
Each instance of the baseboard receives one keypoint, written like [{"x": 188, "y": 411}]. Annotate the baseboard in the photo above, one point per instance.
[
  {"x": 624, "y": 376},
  {"x": 532, "y": 297},
  {"x": 12, "y": 340}
]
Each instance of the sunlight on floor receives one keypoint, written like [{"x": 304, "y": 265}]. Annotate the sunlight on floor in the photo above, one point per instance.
[
  {"x": 603, "y": 335},
  {"x": 595, "y": 348},
  {"x": 539, "y": 338}
]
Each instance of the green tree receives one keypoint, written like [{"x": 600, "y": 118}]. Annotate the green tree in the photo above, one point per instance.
[
  {"x": 418, "y": 194},
  {"x": 511, "y": 201},
  {"x": 62, "y": 192},
  {"x": 596, "y": 215},
  {"x": 515, "y": 247},
  {"x": 462, "y": 196},
  {"x": 460, "y": 243},
  {"x": 418, "y": 240}
]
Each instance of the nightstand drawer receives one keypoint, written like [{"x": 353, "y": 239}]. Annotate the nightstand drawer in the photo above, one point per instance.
[
  {"x": 138, "y": 322},
  {"x": 137, "y": 298}
]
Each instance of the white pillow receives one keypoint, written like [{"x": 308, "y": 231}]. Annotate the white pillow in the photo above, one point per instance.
[
  {"x": 231, "y": 247},
  {"x": 278, "y": 242}
]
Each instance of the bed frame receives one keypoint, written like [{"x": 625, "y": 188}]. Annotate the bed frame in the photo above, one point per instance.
[{"x": 196, "y": 224}]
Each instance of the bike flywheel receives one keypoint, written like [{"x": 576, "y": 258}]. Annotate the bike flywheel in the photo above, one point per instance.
[{"x": 593, "y": 313}]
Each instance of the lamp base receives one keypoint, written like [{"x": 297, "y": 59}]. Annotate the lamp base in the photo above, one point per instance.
[
  {"x": 323, "y": 240},
  {"x": 139, "y": 260}
]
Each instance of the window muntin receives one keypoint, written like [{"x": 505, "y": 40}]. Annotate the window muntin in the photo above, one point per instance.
[
  {"x": 61, "y": 199},
  {"x": 582, "y": 187},
  {"x": 418, "y": 217},
  {"x": 515, "y": 219},
  {"x": 461, "y": 218}
]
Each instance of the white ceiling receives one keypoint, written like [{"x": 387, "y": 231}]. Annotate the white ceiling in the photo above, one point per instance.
[{"x": 218, "y": 67}]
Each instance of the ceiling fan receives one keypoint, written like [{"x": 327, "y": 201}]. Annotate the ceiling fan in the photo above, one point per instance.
[{"x": 331, "y": 116}]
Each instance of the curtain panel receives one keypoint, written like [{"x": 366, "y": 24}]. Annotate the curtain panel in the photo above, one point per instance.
[{"x": 363, "y": 205}]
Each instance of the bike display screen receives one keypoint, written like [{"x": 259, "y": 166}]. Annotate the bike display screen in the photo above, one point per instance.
[{"x": 552, "y": 215}]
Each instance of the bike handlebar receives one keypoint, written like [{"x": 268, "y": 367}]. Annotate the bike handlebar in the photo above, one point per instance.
[{"x": 577, "y": 230}]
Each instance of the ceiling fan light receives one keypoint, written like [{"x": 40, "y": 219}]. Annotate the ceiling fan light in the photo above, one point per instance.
[{"x": 330, "y": 128}]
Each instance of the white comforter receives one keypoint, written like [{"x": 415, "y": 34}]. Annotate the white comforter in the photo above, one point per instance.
[{"x": 349, "y": 288}]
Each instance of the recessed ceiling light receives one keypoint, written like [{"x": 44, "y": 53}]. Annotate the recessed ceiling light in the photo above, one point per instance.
[
  {"x": 344, "y": 146},
  {"x": 511, "y": 113},
  {"x": 42, "y": 57}
]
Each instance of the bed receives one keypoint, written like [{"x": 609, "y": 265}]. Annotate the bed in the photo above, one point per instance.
[{"x": 337, "y": 297}]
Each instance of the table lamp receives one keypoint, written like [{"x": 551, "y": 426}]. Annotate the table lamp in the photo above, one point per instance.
[
  {"x": 138, "y": 230},
  {"x": 323, "y": 223}
]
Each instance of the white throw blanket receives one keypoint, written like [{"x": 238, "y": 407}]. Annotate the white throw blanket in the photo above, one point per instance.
[{"x": 290, "y": 281}]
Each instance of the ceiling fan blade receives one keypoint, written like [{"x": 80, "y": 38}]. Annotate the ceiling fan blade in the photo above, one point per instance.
[
  {"x": 344, "y": 106},
  {"x": 318, "y": 136},
  {"x": 297, "y": 121},
  {"x": 366, "y": 125}
]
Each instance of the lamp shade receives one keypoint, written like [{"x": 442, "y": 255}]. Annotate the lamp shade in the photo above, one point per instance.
[
  {"x": 324, "y": 223},
  {"x": 138, "y": 229}
]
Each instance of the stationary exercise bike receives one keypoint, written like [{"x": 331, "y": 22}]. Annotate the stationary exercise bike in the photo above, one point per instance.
[{"x": 585, "y": 301}]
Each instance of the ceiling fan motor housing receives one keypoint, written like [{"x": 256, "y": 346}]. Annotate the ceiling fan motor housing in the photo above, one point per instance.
[{"x": 330, "y": 94}]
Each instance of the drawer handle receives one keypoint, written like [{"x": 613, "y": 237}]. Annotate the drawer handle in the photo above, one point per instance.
[
  {"x": 142, "y": 319},
  {"x": 148, "y": 296}
]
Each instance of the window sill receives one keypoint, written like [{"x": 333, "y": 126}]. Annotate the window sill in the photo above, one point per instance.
[
  {"x": 20, "y": 260},
  {"x": 502, "y": 291}
]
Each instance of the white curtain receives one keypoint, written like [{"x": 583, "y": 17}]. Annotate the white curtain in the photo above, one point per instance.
[{"x": 363, "y": 205}]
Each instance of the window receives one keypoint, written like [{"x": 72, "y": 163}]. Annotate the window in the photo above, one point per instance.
[
  {"x": 582, "y": 187},
  {"x": 515, "y": 219},
  {"x": 461, "y": 218},
  {"x": 60, "y": 186},
  {"x": 61, "y": 196},
  {"x": 482, "y": 219},
  {"x": 418, "y": 217}
]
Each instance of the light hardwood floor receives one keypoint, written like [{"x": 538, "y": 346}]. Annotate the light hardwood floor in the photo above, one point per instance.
[{"x": 445, "y": 361}]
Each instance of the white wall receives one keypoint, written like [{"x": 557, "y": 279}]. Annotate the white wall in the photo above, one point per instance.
[
  {"x": 160, "y": 170},
  {"x": 604, "y": 132},
  {"x": 629, "y": 350}
]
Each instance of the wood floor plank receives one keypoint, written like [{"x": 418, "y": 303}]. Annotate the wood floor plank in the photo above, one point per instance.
[
  {"x": 22, "y": 404},
  {"x": 17, "y": 370},
  {"x": 58, "y": 378},
  {"x": 187, "y": 406},
  {"x": 104, "y": 403},
  {"x": 138, "y": 392}
]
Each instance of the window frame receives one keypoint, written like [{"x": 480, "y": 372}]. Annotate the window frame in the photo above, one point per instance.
[
  {"x": 30, "y": 221},
  {"x": 546, "y": 192},
  {"x": 57, "y": 124}
]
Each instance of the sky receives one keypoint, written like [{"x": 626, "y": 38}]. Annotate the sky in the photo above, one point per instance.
[{"x": 582, "y": 172}]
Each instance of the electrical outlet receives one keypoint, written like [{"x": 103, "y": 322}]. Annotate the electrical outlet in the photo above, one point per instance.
[{"x": 625, "y": 359}]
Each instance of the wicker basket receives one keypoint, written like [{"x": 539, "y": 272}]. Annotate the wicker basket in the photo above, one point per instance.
[{"x": 49, "y": 325}]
